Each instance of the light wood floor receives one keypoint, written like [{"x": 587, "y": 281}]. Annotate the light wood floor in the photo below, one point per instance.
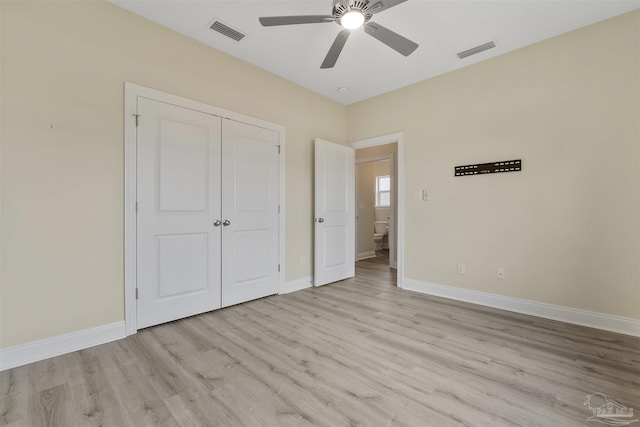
[{"x": 358, "y": 352}]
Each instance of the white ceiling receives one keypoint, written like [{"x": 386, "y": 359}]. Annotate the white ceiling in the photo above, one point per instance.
[{"x": 367, "y": 67}]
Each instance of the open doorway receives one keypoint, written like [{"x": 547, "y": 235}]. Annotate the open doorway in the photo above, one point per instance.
[{"x": 376, "y": 204}]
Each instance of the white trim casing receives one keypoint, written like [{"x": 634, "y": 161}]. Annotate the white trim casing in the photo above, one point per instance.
[
  {"x": 34, "y": 351},
  {"x": 378, "y": 140},
  {"x": 297, "y": 285},
  {"x": 130, "y": 197},
  {"x": 131, "y": 93},
  {"x": 282, "y": 223},
  {"x": 607, "y": 322}
]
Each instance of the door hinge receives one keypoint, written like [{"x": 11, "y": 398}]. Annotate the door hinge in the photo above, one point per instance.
[
  {"x": 136, "y": 116},
  {"x": 136, "y": 293},
  {"x": 278, "y": 268},
  {"x": 136, "y": 207},
  {"x": 278, "y": 208},
  {"x": 278, "y": 149}
]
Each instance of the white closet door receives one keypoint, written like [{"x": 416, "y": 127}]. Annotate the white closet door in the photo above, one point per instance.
[
  {"x": 178, "y": 257},
  {"x": 250, "y": 211},
  {"x": 334, "y": 206}
]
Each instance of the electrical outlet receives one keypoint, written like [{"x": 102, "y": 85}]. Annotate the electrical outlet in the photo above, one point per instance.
[
  {"x": 303, "y": 260},
  {"x": 462, "y": 269},
  {"x": 501, "y": 273}
]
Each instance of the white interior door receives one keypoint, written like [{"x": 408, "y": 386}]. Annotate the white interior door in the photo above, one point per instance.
[
  {"x": 178, "y": 195},
  {"x": 334, "y": 255},
  {"x": 250, "y": 177}
]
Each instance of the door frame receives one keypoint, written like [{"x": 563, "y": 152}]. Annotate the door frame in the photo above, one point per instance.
[
  {"x": 392, "y": 215},
  {"x": 397, "y": 138},
  {"x": 131, "y": 93}
]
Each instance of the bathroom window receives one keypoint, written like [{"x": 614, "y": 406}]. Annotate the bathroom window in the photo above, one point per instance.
[{"x": 383, "y": 191}]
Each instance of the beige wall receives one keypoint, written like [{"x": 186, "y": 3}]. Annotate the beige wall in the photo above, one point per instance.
[
  {"x": 566, "y": 228},
  {"x": 63, "y": 69}
]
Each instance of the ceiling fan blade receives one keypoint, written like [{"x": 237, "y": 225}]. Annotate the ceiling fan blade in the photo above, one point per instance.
[
  {"x": 270, "y": 21},
  {"x": 377, "y": 6},
  {"x": 392, "y": 39},
  {"x": 336, "y": 48}
]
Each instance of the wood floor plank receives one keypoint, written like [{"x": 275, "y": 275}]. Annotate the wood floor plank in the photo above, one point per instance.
[
  {"x": 52, "y": 407},
  {"x": 357, "y": 352},
  {"x": 14, "y": 385},
  {"x": 93, "y": 398}
]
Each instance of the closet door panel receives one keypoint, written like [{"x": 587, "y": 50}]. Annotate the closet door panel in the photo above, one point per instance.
[
  {"x": 178, "y": 254},
  {"x": 250, "y": 205}
]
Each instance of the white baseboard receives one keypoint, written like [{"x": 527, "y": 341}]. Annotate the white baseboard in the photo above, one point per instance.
[
  {"x": 367, "y": 254},
  {"x": 34, "y": 351},
  {"x": 607, "y": 322},
  {"x": 297, "y": 285}
]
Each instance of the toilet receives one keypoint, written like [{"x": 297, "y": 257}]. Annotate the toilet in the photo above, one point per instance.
[{"x": 380, "y": 232}]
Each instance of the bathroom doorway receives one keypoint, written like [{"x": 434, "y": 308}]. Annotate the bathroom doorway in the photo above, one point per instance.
[{"x": 376, "y": 204}]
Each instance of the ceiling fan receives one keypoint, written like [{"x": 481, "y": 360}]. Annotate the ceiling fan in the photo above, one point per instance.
[{"x": 350, "y": 14}]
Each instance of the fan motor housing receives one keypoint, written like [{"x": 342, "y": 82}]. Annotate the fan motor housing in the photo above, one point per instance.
[{"x": 340, "y": 7}]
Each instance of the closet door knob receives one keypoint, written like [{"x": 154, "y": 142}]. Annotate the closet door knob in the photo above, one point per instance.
[
  {"x": 226, "y": 222},
  {"x": 320, "y": 219},
  {"x": 217, "y": 223}
]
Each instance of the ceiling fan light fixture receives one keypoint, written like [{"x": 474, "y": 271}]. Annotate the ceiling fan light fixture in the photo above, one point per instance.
[
  {"x": 350, "y": 15},
  {"x": 352, "y": 20}
]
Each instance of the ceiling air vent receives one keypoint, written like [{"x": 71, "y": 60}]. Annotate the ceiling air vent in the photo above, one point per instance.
[
  {"x": 226, "y": 30},
  {"x": 477, "y": 49}
]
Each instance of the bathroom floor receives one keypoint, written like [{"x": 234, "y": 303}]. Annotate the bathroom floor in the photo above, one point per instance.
[{"x": 382, "y": 257}]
